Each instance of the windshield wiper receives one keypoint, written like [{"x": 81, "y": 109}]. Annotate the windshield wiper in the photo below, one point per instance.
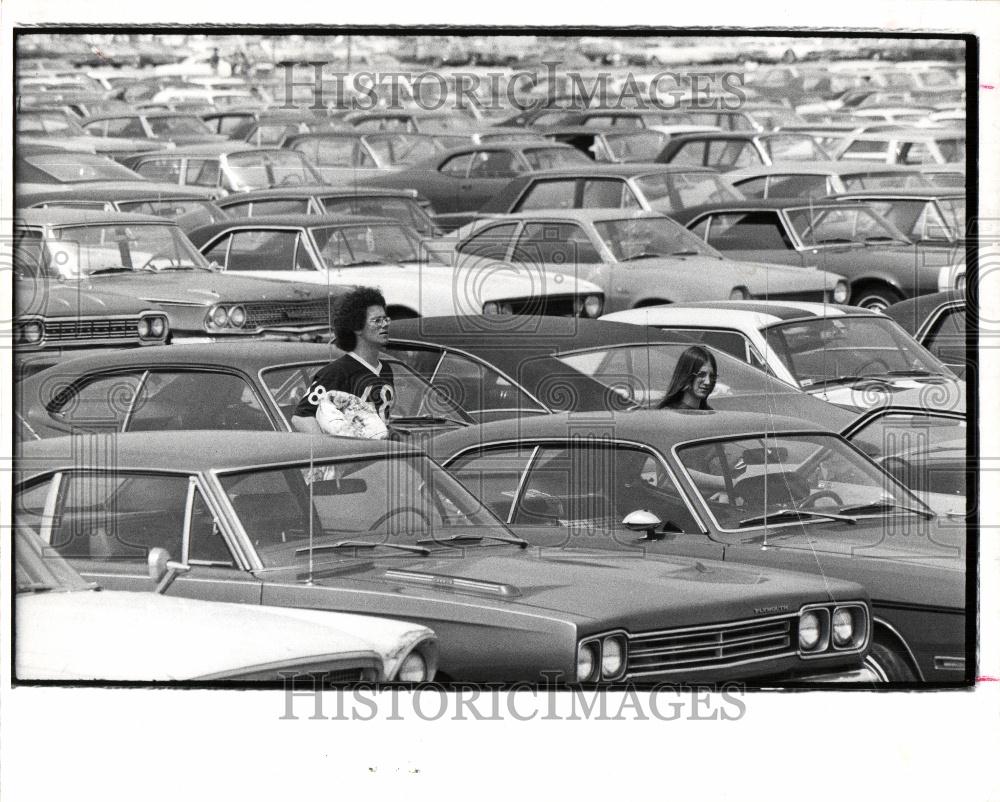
[
  {"x": 788, "y": 512},
  {"x": 883, "y": 238},
  {"x": 360, "y": 544},
  {"x": 363, "y": 262},
  {"x": 645, "y": 255},
  {"x": 426, "y": 419},
  {"x": 119, "y": 269},
  {"x": 840, "y": 380},
  {"x": 514, "y": 541},
  {"x": 886, "y": 504},
  {"x": 911, "y": 372},
  {"x": 834, "y": 241},
  {"x": 684, "y": 253},
  {"x": 34, "y": 587}
]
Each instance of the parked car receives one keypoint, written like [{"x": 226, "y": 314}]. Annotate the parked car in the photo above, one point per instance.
[
  {"x": 414, "y": 121},
  {"x": 657, "y": 188},
  {"x": 149, "y": 258},
  {"x": 906, "y": 146},
  {"x": 841, "y": 354},
  {"x": 165, "y": 126},
  {"x": 938, "y": 322},
  {"x": 611, "y": 144},
  {"x": 743, "y": 487},
  {"x": 945, "y": 175},
  {"x": 461, "y": 181},
  {"x": 330, "y": 250},
  {"x": 508, "y": 367},
  {"x": 327, "y": 523},
  {"x": 238, "y": 123},
  {"x": 350, "y": 156},
  {"x": 44, "y": 164},
  {"x": 57, "y": 127},
  {"x": 820, "y": 179},
  {"x": 239, "y": 385},
  {"x": 730, "y": 151},
  {"x": 635, "y": 258},
  {"x": 850, "y": 239},
  {"x": 68, "y": 631},
  {"x": 928, "y": 216}
]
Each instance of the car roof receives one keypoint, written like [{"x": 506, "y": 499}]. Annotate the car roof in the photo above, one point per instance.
[
  {"x": 760, "y": 313},
  {"x": 627, "y": 170},
  {"x": 199, "y": 450},
  {"x": 596, "y": 129},
  {"x": 317, "y": 190},
  {"x": 140, "y": 113},
  {"x": 59, "y": 217},
  {"x": 911, "y": 313},
  {"x": 822, "y": 168},
  {"x": 207, "y": 149},
  {"x": 914, "y": 133},
  {"x": 588, "y": 214},
  {"x": 106, "y": 191},
  {"x": 296, "y": 220},
  {"x": 751, "y": 204},
  {"x": 918, "y": 193}
]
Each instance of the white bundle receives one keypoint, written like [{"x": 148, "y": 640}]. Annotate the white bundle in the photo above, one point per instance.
[{"x": 345, "y": 415}]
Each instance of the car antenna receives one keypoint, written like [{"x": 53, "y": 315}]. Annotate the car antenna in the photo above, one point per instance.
[
  {"x": 311, "y": 475},
  {"x": 763, "y": 544}
]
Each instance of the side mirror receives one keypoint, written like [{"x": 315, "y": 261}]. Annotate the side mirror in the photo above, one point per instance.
[
  {"x": 644, "y": 521},
  {"x": 162, "y": 569}
]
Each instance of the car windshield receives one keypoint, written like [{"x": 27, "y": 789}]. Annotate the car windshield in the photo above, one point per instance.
[
  {"x": 637, "y": 146},
  {"x": 77, "y": 251},
  {"x": 402, "y": 210},
  {"x": 38, "y": 568},
  {"x": 374, "y": 243},
  {"x": 395, "y": 148},
  {"x": 647, "y": 237},
  {"x": 921, "y": 219},
  {"x": 73, "y": 167},
  {"x": 554, "y": 158},
  {"x": 829, "y": 226},
  {"x": 751, "y": 482},
  {"x": 822, "y": 350},
  {"x": 794, "y": 147},
  {"x": 53, "y": 123},
  {"x": 377, "y": 502},
  {"x": 666, "y": 192},
  {"x": 262, "y": 169},
  {"x": 181, "y": 124}
]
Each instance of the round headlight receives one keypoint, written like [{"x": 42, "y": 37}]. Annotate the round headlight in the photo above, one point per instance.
[
  {"x": 809, "y": 631},
  {"x": 841, "y": 292},
  {"x": 843, "y": 627},
  {"x": 586, "y": 662},
  {"x": 612, "y": 657},
  {"x": 237, "y": 316},
  {"x": 157, "y": 326},
  {"x": 219, "y": 317},
  {"x": 31, "y": 332},
  {"x": 738, "y": 294},
  {"x": 506, "y": 309},
  {"x": 593, "y": 305},
  {"x": 491, "y": 308},
  {"x": 143, "y": 327},
  {"x": 413, "y": 669}
]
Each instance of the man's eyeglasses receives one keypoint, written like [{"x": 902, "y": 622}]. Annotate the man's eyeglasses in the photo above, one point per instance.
[{"x": 380, "y": 321}]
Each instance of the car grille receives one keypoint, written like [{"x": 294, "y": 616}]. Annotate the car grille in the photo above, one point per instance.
[
  {"x": 568, "y": 305},
  {"x": 712, "y": 646},
  {"x": 88, "y": 330},
  {"x": 267, "y": 314}
]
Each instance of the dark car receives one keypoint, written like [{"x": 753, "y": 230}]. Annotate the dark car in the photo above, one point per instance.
[
  {"x": 150, "y": 259},
  {"x": 461, "y": 181},
  {"x": 57, "y": 127},
  {"x": 511, "y": 367},
  {"x": 293, "y": 520},
  {"x": 611, "y": 144},
  {"x": 850, "y": 239},
  {"x": 759, "y": 489},
  {"x": 45, "y": 164},
  {"x": 928, "y": 216},
  {"x": 239, "y": 385},
  {"x": 166, "y": 126},
  {"x": 938, "y": 322},
  {"x": 730, "y": 151},
  {"x": 650, "y": 187}
]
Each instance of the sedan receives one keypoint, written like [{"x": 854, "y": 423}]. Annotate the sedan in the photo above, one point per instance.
[
  {"x": 819, "y": 179},
  {"x": 335, "y": 251},
  {"x": 636, "y": 258},
  {"x": 928, "y": 216},
  {"x": 165, "y": 126},
  {"x": 906, "y": 146},
  {"x": 44, "y": 164},
  {"x": 326, "y": 523},
  {"x": 730, "y": 151},
  {"x": 349, "y": 156},
  {"x": 740, "y": 487}
]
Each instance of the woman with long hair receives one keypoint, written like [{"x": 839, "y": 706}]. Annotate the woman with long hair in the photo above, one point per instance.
[{"x": 693, "y": 380}]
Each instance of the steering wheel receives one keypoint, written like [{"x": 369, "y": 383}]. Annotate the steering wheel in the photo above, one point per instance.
[
  {"x": 401, "y": 511},
  {"x": 812, "y": 498},
  {"x": 161, "y": 255},
  {"x": 291, "y": 179}
]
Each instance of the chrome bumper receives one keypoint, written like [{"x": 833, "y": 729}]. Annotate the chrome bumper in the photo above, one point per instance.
[{"x": 863, "y": 674}]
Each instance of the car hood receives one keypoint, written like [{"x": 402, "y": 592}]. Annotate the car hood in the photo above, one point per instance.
[
  {"x": 74, "y": 301},
  {"x": 927, "y": 392},
  {"x": 145, "y": 636},
  {"x": 201, "y": 287}
]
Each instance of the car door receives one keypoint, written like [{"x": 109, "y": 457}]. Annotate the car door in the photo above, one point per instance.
[
  {"x": 105, "y": 520},
  {"x": 752, "y": 236}
]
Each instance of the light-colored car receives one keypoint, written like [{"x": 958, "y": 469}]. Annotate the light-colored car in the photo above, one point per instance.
[
  {"x": 68, "y": 631},
  {"x": 906, "y": 146},
  {"x": 819, "y": 179},
  {"x": 635, "y": 258}
]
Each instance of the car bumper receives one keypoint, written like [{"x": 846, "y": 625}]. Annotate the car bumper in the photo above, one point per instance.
[{"x": 863, "y": 674}]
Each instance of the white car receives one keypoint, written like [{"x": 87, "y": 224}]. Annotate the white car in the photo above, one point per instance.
[
  {"x": 67, "y": 630},
  {"x": 841, "y": 354}
]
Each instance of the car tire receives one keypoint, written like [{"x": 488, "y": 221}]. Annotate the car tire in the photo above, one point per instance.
[
  {"x": 876, "y": 297},
  {"x": 889, "y": 665}
]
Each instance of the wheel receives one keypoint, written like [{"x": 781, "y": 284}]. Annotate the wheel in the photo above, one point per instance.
[
  {"x": 876, "y": 298},
  {"x": 401, "y": 511},
  {"x": 812, "y": 498},
  {"x": 889, "y": 665}
]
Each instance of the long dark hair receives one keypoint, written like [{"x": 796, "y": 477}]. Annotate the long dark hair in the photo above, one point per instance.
[{"x": 692, "y": 360}]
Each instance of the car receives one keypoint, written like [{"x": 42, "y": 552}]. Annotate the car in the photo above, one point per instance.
[
  {"x": 938, "y": 322},
  {"x": 906, "y": 146},
  {"x": 150, "y": 259},
  {"x": 508, "y": 367},
  {"x": 820, "y": 179},
  {"x": 611, "y": 144},
  {"x": 189, "y": 208},
  {"x": 252, "y": 386},
  {"x": 45, "y": 164},
  {"x": 402, "y": 205},
  {"x": 623, "y": 120},
  {"x": 484, "y": 133},
  {"x": 945, "y": 175},
  {"x": 227, "y": 168},
  {"x": 165, "y": 126},
  {"x": 238, "y": 123},
  {"x": 376, "y": 528},
  {"x": 414, "y": 121},
  {"x": 850, "y": 239},
  {"x": 743, "y": 487},
  {"x": 636, "y": 258},
  {"x": 56, "y": 127},
  {"x": 350, "y": 156},
  {"x": 729, "y": 151},
  {"x": 461, "y": 181},
  {"x": 842, "y": 354},
  {"x": 337, "y": 251},
  {"x": 69, "y": 631},
  {"x": 928, "y": 216},
  {"x": 649, "y": 187}
]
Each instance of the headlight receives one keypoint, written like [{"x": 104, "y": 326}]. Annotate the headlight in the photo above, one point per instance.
[
  {"x": 738, "y": 294},
  {"x": 219, "y": 317},
  {"x": 31, "y": 332},
  {"x": 237, "y": 316},
  {"x": 593, "y": 305},
  {"x": 843, "y": 627},
  {"x": 157, "y": 326},
  {"x": 841, "y": 292},
  {"x": 586, "y": 662},
  {"x": 143, "y": 328},
  {"x": 413, "y": 669},
  {"x": 809, "y": 631},
  {"x": 491, "y": 308},
  {"x": 506, "y": 309},
  {"x": 960, "y": 283},
  {"x": 612, "y": 657}
]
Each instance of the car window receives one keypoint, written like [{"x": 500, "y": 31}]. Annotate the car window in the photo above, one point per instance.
[
  {"x": 946, "y": 340},
  {"x": 731, "y": 155},
  {"x": 265, "y": 250},
  {"x": 790, "y": 147},
  {"x": 556, "y": 194},
  {"x": 495, "y": 164},
  {"x": 542, "y": 158},
  {"x": 330, "y": 151},
  {"x": 690, "y": 153},
  {"x": 604, "y": 193},
  {"x": 866, "y": 149},
  {"x": 798, "y": 186},
  {"x": 558, "y": 243},
  {"x": 752, "y": 187},
  {"x": 203, "y": 172},
  {"x": 166, "y": 170},
  {"x": 615, "y": 120},
  {"x": 224, "y": 401},
  {"x": 279, "y": 206},
  {"x": 729, "y": 342},
  {"x": 747, "y": 231},
  {"x": 492, "y": 243},
  {"x": 913, "y": 153},
  {"x": 189, "y": 213},
  {"x": 457, "y": 166},
  {"x": 206, "y": 544},
  {"x": 125, "y": 127},
  {"x": 98, "y": 404},
  {"x": 493, "y": 475},
  {"x": 952, "y": 150}
]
